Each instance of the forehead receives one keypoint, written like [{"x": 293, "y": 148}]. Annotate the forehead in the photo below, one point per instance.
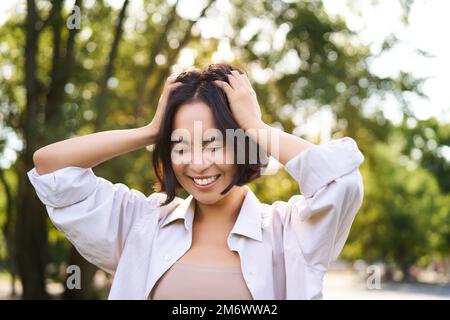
[{"x": 194, "y": 113}]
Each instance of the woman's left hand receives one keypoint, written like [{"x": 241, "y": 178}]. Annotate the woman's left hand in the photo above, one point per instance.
[{"x": 242, "y": 98}]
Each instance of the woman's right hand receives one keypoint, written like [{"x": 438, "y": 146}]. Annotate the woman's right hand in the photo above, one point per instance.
[{"x": 170, "y": 85}]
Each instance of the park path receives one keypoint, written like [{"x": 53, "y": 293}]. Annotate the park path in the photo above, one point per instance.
[
  {"x": 344, "y": 285},
  {"x": 338, "y": 285}
]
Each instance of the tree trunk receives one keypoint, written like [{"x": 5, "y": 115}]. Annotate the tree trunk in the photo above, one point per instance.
[
  {"x": 31, "y": 241},
  {"x": 8, "y": 231},
  {"x": 88, "y": 270},
  {"x": 31, "y": 231}
]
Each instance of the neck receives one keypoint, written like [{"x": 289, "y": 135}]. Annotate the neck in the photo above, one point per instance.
[{"x": 225, "y": 210}]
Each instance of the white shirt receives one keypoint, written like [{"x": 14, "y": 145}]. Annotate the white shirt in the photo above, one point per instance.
[{"x": 285, "y": 248}]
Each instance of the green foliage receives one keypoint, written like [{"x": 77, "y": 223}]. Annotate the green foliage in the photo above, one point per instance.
[{"x": 405, "y": 217}]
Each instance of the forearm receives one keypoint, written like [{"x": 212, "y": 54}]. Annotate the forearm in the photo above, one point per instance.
[
  {"x": 277, "y": 143},
  {"x": 90, "y": 150}
]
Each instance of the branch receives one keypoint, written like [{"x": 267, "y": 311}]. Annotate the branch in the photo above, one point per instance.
[
  {"x": 109, "y": 69},
  {"x": 55, "y": 19},
  {"x": 155, "y": 49},
  {"x": 62, "y": 74},
  {"x": 173, "y": 56}
]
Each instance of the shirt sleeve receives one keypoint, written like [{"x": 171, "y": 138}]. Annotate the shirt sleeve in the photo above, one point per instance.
[
  {"x": 94, "y": 214},
  {"x": 332, "y": 192}
]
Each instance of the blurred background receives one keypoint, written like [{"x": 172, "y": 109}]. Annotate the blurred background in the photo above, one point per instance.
[{"x": 373, "y": 70}]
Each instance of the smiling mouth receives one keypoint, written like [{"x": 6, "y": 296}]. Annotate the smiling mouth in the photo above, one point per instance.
[{"x": 205, "y": 181}]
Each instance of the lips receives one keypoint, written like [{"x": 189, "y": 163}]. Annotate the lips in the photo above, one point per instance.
[{"x": 205, "y": 182}]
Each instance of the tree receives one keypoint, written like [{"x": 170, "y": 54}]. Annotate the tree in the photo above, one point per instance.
[{"x": 79, "y": 81}]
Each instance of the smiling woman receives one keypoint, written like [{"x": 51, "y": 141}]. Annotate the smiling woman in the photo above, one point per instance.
[
  {"x": 220, "y": 242},
  {"x": 199, "y": 101}
]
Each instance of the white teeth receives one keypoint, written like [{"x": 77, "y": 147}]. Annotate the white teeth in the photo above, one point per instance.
[{"x": 203, "y": 182}]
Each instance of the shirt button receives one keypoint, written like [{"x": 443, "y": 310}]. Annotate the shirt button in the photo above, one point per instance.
[{"x": 167, "y": 257}]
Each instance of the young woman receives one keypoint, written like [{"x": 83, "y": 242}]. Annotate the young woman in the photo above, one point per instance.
[{"x": 220, "y": 242}]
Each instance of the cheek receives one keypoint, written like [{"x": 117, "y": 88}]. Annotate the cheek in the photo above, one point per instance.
[
  {"x": 178, "y": 170},
  {"x": 228, "y": 166},
  {"x": 229, "y": 170},
  {"x": 228, "y": 156}
]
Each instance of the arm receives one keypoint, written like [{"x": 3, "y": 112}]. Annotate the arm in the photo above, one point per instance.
[
  {"x": 246, "y": 111},
  {"x": 90, "y": 150},
  {"x": 96, "y": 215},
  {"x": 277, "y": 143},
  {"x": 316, "y": 223}
]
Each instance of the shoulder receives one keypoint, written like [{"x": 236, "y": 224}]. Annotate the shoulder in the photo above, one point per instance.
[
  {"x": 279, "y": 211},
  {"x": 155, "y": 201}
]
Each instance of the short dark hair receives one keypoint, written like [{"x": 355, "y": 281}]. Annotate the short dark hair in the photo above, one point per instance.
[{"x": 199, "y": 86}]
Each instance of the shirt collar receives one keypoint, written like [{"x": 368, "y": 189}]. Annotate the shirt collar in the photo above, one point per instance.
[{"x": 248, "y": 222}]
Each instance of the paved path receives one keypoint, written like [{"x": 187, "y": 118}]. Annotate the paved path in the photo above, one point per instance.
[
  {"x": 337, "y": 285},
  {"x": 348, "y": 286}
]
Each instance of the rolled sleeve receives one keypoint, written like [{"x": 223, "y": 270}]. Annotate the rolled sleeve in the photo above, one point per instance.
[
  {"x": 63, "y": 187},
  {"x": 319, "y": 165},
  {"x": 94, "y": 214},
  {"x": 318, "y": 221}
]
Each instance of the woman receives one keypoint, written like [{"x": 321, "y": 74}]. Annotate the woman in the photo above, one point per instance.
[{"x": 220, "y": 242}]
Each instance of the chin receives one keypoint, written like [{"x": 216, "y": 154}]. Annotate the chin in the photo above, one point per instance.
[
  {"x": 206, "y": 196},
  {"x": 205, "y": 199}
]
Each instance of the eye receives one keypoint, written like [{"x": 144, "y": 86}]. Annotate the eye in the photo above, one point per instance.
[
  {"x": 179, "y": 150},
  {"x": 213, "y": 148}
]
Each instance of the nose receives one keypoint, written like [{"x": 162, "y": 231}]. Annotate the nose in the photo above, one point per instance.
[{"x": 199, "y": 161}]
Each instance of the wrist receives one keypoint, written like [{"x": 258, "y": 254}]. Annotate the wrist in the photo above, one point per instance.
[
  {"x": 254, "y": 125},
  {"x": 149, "y": 134},
  {"x": 259, "y": 132},
  {"x": 257, "y": 127}
]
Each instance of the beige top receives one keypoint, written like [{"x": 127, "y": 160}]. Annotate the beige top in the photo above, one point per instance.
[{"x": 185, "y": 281}]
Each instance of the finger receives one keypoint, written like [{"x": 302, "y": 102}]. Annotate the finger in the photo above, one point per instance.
[
  {"x": 247, "y": 80},
  {"x": 234, "y": 82},
  {"x": 174, "y": 85},
  {"x": 223, "y": 85},
  {"x": 172, "y": 78},
  {"x": 236, "y": 73}
]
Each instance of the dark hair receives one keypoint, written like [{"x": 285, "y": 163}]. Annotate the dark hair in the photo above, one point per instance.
[{"x": 199, "y": 86}]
